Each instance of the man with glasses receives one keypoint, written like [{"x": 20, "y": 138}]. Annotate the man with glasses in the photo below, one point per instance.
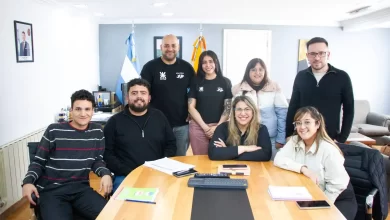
[{"x": 324, "y": 87}]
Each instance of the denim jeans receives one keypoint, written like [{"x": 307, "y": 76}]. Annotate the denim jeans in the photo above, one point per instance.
[
  {"x": 182, "y": 140},
  {"x": 117, "y": 182},
  {"x": 274, "y": 150}
]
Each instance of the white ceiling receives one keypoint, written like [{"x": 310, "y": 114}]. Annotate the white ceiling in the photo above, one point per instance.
[{"x": 278, "y": 12}]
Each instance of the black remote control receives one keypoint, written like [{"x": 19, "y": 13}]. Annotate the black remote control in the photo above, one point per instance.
[{"x": 211, "y": 175}]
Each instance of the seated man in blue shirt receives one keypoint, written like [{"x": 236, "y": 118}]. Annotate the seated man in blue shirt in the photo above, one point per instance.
[{"x": 137, "y": 134}]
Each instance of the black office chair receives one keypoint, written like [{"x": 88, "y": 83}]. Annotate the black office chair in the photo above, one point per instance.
[
  {"x": 367, "y": 172},
  {"x": 32, "y": 149}
]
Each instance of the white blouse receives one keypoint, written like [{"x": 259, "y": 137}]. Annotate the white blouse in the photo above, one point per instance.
[{"x": 327, "y": 163}]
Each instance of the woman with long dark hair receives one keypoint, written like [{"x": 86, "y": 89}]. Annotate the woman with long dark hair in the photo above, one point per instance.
[
  {"x": 208, "y": 103},
  {"x": 269, "y": 99}
]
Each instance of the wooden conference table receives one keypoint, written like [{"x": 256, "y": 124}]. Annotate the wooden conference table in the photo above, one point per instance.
[{"x": 174, "y": 200}]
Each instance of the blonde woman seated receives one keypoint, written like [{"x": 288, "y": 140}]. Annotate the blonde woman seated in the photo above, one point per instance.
[
  {"x": 313, "y": 153},
  {"x": 242, "y": 137}
]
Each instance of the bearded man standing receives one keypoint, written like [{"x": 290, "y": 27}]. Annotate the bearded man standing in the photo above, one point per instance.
[
  {"x": 170, "y": 78},
  {"x": 137, "y": 134}
]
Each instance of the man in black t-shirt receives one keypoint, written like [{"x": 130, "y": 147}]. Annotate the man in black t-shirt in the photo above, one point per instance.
[{"x": 170, "y": 79}]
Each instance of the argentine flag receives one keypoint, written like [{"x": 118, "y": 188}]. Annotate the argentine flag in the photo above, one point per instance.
[{"x": 130, "y": 68}]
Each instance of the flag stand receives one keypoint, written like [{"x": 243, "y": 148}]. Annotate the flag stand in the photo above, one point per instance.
[
  {"x": 132, "y": 27},
  {"x": 199, "y": 47},
  {"x": 130, "y": 68}
]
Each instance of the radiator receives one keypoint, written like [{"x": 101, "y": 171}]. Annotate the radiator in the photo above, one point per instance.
[{"x": 14, "y": 161}]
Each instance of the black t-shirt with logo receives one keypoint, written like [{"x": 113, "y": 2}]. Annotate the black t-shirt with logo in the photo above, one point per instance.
[
  {"x": 170, "y": 84},
  {"x": 210, "y": 96}
]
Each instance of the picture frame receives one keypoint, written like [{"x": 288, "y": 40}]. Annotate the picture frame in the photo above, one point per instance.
[
  {"x": 302, "y": 60},
  {"x": 24, "y": 44},
  {"x": 157, "y": 40},
  {"x": 102, "y": 98}
]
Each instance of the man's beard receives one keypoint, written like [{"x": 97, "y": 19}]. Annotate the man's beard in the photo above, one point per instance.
[
  {"x": 168, "y": 58},
  {"x": 321, "y": 66},
  {"x": 138, "y": 108}
]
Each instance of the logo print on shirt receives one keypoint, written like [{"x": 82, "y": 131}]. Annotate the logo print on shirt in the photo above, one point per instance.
[
  {"x": 180, "y": 75},
  {"x": 163, "y": 76},
  {"x": 219, "y": 89},
  {"x": 201, "y": 89}
]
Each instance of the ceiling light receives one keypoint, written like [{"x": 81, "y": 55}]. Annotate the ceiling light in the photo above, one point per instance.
[
  {"x": 159, "y": 4},
  {"x": 167, "y": 14},
  {"x": 80, "y": 6},
  {"x": 98, "y": 14}
]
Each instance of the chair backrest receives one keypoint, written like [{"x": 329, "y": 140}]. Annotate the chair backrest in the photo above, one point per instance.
[
  {"x": 32, "y": 149},
  {"x": 366, "y": 170},
  {"x": 362, "y": 108}
]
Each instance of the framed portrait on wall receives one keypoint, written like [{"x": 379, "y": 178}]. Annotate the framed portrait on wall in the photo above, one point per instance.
[
  {"x": 157, "y": 50},
  {"x": 24, "y": 45},
  {"x": 303, "y": 63}
]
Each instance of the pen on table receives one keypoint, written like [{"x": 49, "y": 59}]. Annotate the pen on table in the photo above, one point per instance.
[{"x": 130, "y": 200}]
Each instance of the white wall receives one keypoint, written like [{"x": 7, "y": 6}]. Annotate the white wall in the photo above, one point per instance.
[{"x": 66, "y": 57}]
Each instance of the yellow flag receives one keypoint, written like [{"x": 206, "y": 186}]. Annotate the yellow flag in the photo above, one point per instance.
[{"x": 199, "y": 47}]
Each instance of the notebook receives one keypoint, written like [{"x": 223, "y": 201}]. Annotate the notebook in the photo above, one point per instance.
[
  {"x": 147, "y": 195},
  {"x": 289, "y": 193},
  {"x": 168, "y": 166}
]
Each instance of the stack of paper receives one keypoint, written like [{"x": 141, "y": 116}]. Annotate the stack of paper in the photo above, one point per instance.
[
  {"x": 289, "y": 193},
  {"x": 168, "y": 166},
  {"x": 147, "y": 195}
]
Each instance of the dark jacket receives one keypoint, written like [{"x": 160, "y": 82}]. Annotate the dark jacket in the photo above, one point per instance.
[
  {"x": 366, "y": 169},
  {"x": 231, "y": 152},
  {"x": 129, "y": 145},
  {"x": 333, "y": 91}
]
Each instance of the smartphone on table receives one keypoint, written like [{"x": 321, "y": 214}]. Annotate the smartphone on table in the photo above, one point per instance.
[
  {"x": 235, "y": 166},
  {"x": 184, "y": 173},
  {"x": 316, "y": 204}
]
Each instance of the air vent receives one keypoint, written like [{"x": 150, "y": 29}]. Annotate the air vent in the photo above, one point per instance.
[{"x": 358, "y": 10}]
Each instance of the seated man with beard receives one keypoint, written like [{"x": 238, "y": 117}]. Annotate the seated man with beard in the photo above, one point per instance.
[{"x": 137, "y": 134}]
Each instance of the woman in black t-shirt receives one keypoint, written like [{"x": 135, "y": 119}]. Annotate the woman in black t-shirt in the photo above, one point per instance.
[{"x": 208, "y": 103}]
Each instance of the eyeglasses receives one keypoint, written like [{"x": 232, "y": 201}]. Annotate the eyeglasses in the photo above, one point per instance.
[
  {"x": 306, "y": 123},
  {"x": 320, "y": 54},
  {"x": 239, "y": 110}
]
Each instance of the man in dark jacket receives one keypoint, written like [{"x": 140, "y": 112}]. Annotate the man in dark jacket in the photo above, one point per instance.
[
  {"x": 137, "y": 134},
  {"x": 326, "y": 88}
]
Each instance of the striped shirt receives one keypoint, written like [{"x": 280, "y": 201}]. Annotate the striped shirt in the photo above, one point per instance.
[{"x": 67, "y": 155}]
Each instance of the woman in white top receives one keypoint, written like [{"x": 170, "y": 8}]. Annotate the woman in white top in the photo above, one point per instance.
[{"x": 313, "y": 153}]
